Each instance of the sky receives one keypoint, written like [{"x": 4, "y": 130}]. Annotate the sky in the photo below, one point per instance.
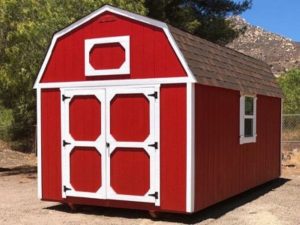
[{"x": 278, "y": 16}]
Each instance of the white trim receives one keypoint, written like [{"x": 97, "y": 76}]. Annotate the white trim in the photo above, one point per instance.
[
  {"x": 39, "y": 142},
  {"x": 118, "y": 12},
  {"x": 243, "y": 139},
  {"x": 190, "y": 149},
  {"x": 105, "y": 83},
  {"x": 124, "y": 41},
  {"x": 157, "y": 138}
]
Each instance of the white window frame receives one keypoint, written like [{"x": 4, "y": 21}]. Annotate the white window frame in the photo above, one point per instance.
[
  {"x": 124, "y": 41},
  {"x": 243, "y": 139}
]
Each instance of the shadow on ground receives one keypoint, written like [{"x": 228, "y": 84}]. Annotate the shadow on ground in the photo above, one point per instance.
[
  {"x": 17, "y": 170},
  {"x": 212, "y": 212}
]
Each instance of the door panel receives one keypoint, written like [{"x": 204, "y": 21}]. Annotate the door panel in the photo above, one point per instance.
[{"x": 83, "y": 143}]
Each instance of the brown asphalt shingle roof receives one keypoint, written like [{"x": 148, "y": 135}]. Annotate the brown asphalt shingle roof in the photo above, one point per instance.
[{"x": 219, "y": 66}]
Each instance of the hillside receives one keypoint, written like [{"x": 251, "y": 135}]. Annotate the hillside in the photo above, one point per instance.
[{"x": 280, "y": 53}]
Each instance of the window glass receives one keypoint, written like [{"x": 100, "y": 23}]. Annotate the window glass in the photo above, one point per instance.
[
  {"x": 249, "y": 105},
  {"x": 248, "y": 128}
]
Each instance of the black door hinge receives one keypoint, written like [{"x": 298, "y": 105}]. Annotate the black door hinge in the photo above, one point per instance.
[
  {"x": 155, "y": 145},
  {"x": 67, "y": 189},
  {"x": 66, "y": 143},
  {"x": 65, "y": 97},
  {"x": 155, "y": 195},
  {"x": 153, "y": 95}
]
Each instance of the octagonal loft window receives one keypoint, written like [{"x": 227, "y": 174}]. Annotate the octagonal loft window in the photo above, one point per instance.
[{"x": 107, "y": 56}]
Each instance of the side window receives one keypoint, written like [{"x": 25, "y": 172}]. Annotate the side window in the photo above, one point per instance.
[{"x": 247, "y": 119}]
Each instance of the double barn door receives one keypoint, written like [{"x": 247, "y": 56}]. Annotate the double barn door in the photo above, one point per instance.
[{"x": 110, "y": 143}]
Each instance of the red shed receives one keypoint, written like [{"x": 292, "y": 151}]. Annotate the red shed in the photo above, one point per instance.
[{"x": 135, "y": 113}]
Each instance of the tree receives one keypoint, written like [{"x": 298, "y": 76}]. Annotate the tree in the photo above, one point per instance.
[
  {"x": 290, "y": 85},
  {"x": 26, "y": 28},
  {"x": 204, "y": 18}
]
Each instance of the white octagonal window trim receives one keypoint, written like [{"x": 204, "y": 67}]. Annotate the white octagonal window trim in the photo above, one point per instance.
[{"x": 124, "y": 41}]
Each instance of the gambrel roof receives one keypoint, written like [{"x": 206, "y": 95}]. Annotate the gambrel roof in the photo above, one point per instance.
[
  {"x": 219, "y": 66},
  {"x": 204, "y": 62}
]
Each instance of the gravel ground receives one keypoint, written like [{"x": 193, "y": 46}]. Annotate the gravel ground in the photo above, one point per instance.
[{"x": 274, "y": 203}]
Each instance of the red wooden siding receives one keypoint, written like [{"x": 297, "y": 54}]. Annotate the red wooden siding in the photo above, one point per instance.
[
  {"x": 151, "y": 55},
  {"x": 173, "y": 147},
  {"x": 172, "y": 150},
  {"x": 51, "y": 143},
  {"x": 225, "y": 168}
]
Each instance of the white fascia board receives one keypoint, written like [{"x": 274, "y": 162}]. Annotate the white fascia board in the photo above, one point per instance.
[
  {"x": 125, "y": 82},
  {"x": 121, "y": 12}
]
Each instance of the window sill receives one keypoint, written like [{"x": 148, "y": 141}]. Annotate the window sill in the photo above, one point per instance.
[{"x": 246, "y": 140}]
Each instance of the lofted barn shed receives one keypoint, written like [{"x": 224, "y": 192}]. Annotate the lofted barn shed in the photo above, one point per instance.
[{"x": 135, "y": 113}]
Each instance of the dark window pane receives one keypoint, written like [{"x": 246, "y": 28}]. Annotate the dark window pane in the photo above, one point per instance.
[
  {"x": 249, "y": 105},
  {"x": 248, "y": 128}
]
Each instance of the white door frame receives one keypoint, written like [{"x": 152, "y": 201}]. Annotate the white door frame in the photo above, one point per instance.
[
  {"x": 105, "y": 95},
  {"x": 99, "y": 144}
]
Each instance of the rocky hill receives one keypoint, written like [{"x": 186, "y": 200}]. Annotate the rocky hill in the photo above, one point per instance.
[{"x": 280, "y": 53}]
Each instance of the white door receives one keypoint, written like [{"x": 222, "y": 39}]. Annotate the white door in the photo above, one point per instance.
[
  {"x": 110, "y": 143},
  {"x": 132, "y": 136},
  {"x": 83, "y": 143}
]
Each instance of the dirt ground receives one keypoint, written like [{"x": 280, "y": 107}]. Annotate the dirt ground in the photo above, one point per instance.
[{"x": 275, "y": 203}]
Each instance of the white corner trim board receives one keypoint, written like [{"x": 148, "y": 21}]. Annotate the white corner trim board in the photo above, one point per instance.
[
  {"x": 121, "y": 12},
  {"x": 39, "y": 142},
  {"x": 190, "y": 149},
  {"x": 124, "y": 41}
]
